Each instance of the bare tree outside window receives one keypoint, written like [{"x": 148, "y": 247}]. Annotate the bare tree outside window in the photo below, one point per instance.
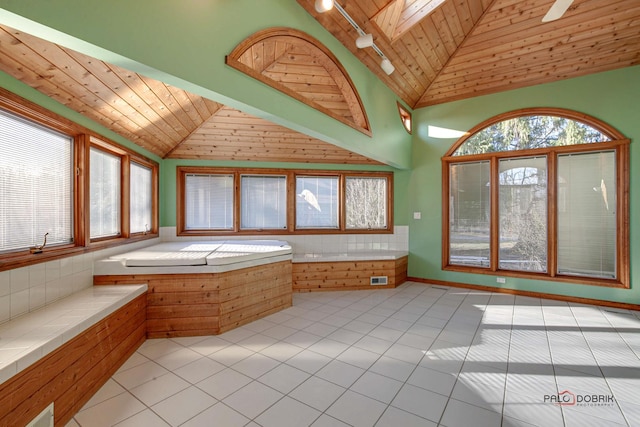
[{"x": 366, "y": 203}]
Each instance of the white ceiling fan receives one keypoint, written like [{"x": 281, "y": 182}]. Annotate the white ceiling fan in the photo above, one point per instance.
[{"x": 557, "y": 10}]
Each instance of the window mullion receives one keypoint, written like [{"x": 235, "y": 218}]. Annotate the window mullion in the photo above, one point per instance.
[
  {"x": 622, "y": 218},
  {"x": 291, "y": 201},
  {"x": 125, "y": 196},
  {"x": 342, "y": 200},
  {"x": 82, "y": 203},
  {"x": 552, "y": 214},
  {"x": 495, "y": 214},
  {"x": 237, "y": 202}
]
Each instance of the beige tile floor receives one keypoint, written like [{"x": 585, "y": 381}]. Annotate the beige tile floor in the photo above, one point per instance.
[{"x": 417, "y": 355}]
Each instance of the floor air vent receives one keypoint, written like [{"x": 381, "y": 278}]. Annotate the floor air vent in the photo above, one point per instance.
[
  {"x": 379, "y": 280},
  {"x": 44, "y": 419}
]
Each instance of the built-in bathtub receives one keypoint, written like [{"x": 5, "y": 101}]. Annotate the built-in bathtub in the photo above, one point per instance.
[
  {"x": 196, "y": 256},
  {"x": 204, "y": 287}
]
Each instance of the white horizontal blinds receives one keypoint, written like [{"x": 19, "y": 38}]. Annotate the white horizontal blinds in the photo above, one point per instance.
[
  {"x": 140, "y": 198},
  {"x": 36, "y": 184},
  {"x": 522, "y": 204},
  {"x": 209, "y": 202},
  {"x": 366, "y": 203},
  {"x": 316, "y": 202},
  {"x": 587, "y": 218},
  {"x": 469, "y": 214},
  {"x": 263, "y": 202},
  {"x": 104, "y": 189}
]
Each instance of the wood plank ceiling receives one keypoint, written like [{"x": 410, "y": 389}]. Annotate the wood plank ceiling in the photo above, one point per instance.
[
  {"x": 455, "y": 49},
  {"x": 300, "y": 66},
  {"x": 163, "y": 119}
]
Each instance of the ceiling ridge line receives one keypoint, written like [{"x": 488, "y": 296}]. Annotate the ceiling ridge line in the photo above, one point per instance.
[
  {"x": 444, "y": 66},
  {"x": 197, "y": 128}
]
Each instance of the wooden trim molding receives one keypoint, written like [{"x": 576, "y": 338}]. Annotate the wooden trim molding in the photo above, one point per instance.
[
  {"x": 532, "y": 294},
  {"x": 601, "y": 126},
  {"x": 300, "y": 66},
  {"x": 405, "y": 118}
]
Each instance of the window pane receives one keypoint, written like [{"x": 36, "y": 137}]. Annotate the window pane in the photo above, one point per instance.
[
  {"x": 209, "y": 202},
  {"x": 36, "y": 184},
  {"x": 264, "y": 202},
  {"x": 104, "y": 194},
  {"x": 528, "y": 132},
  {"x": 141, "y": 191},
  {"x": 587, "y": 214},
  {"x": 366, "y": 203},
  {"x": 316, "y": 202},
  {"x": 469, "y": 214},
  {"x": 523, "y": 214}
]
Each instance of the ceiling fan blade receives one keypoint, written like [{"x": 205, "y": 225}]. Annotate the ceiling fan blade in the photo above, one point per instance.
[{"x": 557, "y": 10}]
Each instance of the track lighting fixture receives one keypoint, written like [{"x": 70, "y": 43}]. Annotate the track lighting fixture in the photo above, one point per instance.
[
  {"x": 364, "y": 39},
  {"x": 387, "y": 66},
  {"x": 324, "y": 5}
]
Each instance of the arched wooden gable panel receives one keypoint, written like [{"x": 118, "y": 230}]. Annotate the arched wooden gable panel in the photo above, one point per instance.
[{"x": 300, "y": 66}]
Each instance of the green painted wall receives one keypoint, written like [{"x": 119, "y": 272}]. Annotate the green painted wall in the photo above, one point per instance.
[
  {"x": 184, "y": 43},
  {"x": 611, "y": 97}
]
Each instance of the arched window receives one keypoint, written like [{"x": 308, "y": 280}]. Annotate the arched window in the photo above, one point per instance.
[{"x": 539, "y": 193}]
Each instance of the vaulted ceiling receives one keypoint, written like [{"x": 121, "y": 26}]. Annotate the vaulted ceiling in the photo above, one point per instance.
[
  {"x": 167, "y": 121},
  {"x": 442, "y": 50},
  {"x": 446, "y": 50}
]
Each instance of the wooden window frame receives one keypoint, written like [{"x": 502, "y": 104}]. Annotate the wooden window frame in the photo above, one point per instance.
[
  {"x": 618, "y": 143},
  {"x": 83, "y": 139},
  {"x": 291, "y": 175},
  {"x": 341, "y": 204},
  {"x": 405, "y": 118}
]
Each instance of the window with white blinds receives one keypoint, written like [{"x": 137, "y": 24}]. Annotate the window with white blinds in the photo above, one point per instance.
[
  {"x": 263, "y": 202},
  {"x": 104, "y": 187},
  {"x": 470, "y": 213},
  {"x": 216, "y": 201},
  {"x": 36, "y": 184},
  {"x": 587, "y": 214},
  {"x": 209, "y": 202},
  {"x": 141, "y": 198}
]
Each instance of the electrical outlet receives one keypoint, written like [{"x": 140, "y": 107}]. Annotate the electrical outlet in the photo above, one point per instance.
[
  {"x": 417, "y": 215},
  {"x": 501, "y": 280}
]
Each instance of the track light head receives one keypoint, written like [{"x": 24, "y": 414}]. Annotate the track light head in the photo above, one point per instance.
[
  {"x": 365, "y": 40},
  {"x": 323, "y": 5},
  {"x": 387, "y": 66}
]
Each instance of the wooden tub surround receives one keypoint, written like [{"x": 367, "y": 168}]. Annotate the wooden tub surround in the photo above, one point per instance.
[
  {"x": 210, "y": 303},
  {"x": 348, "y": 271},
  {"x": 63, "y": 353},
  {"x": 232, "y": 288}
]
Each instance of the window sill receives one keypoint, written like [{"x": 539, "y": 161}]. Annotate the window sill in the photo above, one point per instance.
[
  {"x": 591, "y": 281},
  {"x": 24, "y": 258},
  {"x": 277, "y": 231}
]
